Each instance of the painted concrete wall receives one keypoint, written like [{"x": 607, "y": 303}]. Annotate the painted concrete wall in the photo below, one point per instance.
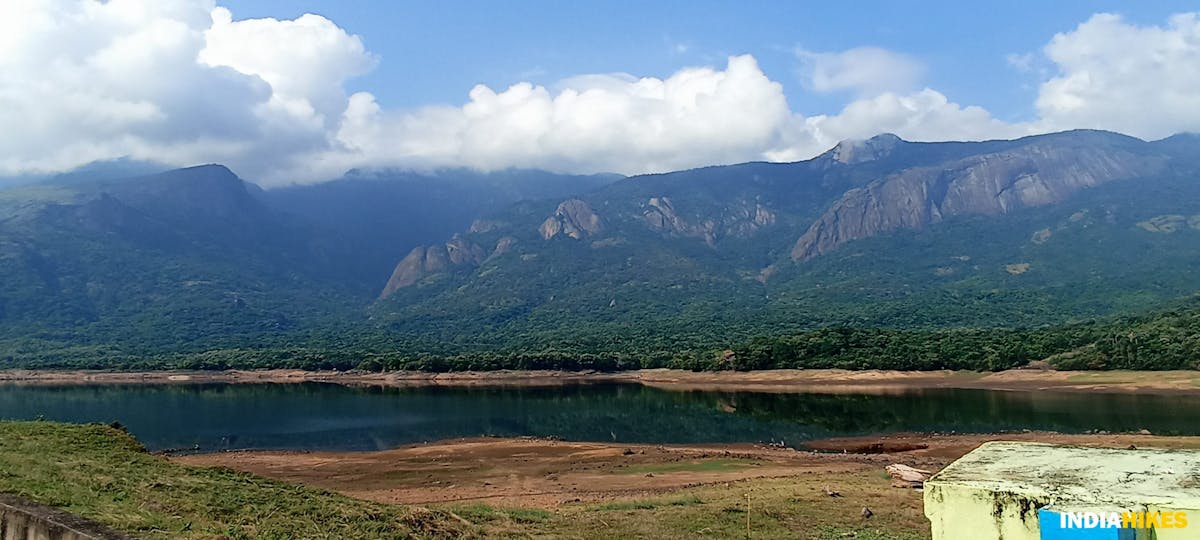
[
  {"x": 23, "y": 520},
  {"x": 1019, "y": 491}
]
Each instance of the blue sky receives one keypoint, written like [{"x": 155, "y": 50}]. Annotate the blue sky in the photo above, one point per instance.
[
  {"x": 301, "y": 91},
  {"x": 434, "y": 52}
]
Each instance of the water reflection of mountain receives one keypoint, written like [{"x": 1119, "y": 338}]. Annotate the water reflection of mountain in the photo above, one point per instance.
[{"x": 336, "y": 417}]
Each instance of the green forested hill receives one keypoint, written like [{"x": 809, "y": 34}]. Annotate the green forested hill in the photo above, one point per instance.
[
  {"x": 186, "y": 261},
  {"x": 878, "y": 253},
  {"x": 106, "y": 272},
  {"x": 716, "y": 277}
]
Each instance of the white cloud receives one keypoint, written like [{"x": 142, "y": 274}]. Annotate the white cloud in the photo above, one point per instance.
[
  {"x": 616, "y": 122},
  {"x": 1139, "y": 80},
  {"x": 926, "y": 115},
  {"x": 867, "y": 71},
  {"x": 306, "y": 60},
  {"x": 613, "y": 122},
  {"x": 173, "y": 81},
  {"x": 183, "y": 82},
  {"x": 1021, "y": 62}
]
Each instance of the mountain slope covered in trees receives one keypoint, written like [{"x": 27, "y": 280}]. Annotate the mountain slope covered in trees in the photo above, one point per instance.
[
  {"x": 880, "y": 233},
  {"x": 917, "y": 255}
]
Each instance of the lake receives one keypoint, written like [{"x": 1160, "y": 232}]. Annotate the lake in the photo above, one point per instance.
[{"x": 316, "y": 416}]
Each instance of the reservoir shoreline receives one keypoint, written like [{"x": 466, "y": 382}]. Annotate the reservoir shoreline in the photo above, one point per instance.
[
  {"x": 774, "y": 381},
  {"x": 540, "y": 473}
]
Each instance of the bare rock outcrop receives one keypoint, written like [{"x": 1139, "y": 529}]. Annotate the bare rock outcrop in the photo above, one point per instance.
[
  {"x": 904, "y": 476},
  {"x": 461, "y": 252},
  {"x": 573, "y": 218},
  {"x": 485, "y": 225},
  {"x": 503, "y": 245},
  {"x": 661, "y": 216},
  {"x": 990, "y": 184},
  {"x": 426, "y": 261},
  {"x": 850, "y": 152},
  {"x": 410, "y": 270},
  {"x": 740, "y": 219}
]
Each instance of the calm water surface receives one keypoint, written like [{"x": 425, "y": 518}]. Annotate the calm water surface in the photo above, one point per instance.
[{"x": 334, "y": 417}]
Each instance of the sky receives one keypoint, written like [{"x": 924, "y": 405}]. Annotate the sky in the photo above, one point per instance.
[{"x": 301, "y": 91}]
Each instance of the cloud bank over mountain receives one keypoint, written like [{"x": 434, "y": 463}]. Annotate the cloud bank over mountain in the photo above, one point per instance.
[{"x": 184, "y": 81}]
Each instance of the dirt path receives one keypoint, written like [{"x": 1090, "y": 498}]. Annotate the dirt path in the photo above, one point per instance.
[
  {"x": 537, "y": 473},
  {"x": 817, "y": 380}
]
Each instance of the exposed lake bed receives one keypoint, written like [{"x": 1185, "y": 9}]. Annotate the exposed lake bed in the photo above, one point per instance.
[
  {"x": 775, "y": 380},
  {"x": 548, "y": 474}
]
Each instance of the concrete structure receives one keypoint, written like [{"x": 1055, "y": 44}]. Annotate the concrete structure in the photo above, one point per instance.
[
  {"x": 23, "y": 520},
  {"x": 1031, "y": 491}
]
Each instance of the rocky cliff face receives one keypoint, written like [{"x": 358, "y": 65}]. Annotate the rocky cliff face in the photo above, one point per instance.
[
  {"x": 860, "y": 151},
  {"x": 426, "y": 261},
  {"x": 661, "y": 216},
  {"x": 739, "y": 220},
  {"x": 991, "y": 184},
  {"x": 759, "y": 218},
  {"x": 573, "y": 218}
]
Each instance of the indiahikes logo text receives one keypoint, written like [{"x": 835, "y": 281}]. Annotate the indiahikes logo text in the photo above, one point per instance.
[{"x": 1126, "y": 520}]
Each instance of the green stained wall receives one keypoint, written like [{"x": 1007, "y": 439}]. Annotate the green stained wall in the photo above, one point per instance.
[{"x": 995, "y": 491}]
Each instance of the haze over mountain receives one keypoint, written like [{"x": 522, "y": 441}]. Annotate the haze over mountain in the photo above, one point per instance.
[
  {"x": 381, "y": 214},
  {"x": 876, "y": 233},
  {"x": 196, "y": 258},
  {"x": 881, "y": 232}
]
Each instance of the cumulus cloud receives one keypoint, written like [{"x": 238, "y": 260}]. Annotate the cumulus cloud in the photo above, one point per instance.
[
  {"x": 867, "y": 71},
  {"x": 174, "y": 81},
  {"x": 927, "y": 115},
  {"x": 598, "y": 122},
  {"x": 619, "y": 123},
  {"x": 84, "y": 81},
  {"x": 185, "y": 82},
  {"x": 306, "y": 61},
  {"x": 1140, "y": 80}
]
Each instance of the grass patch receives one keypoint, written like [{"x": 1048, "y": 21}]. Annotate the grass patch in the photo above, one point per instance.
[
  {"x": 835, "y": 533},
  {"x": 104, "y": 474},
  {"x": 793, "y": 507},
  {"x": 479, "y": 513},
  {"x": 709, "y": 465},
  {"x": 651, "y": 504}
]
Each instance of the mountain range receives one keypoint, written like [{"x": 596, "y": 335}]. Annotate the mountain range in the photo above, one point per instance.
[{"x": 879, "y": 233}]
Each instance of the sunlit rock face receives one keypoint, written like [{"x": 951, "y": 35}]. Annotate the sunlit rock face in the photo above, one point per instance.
[
  {"x": 989, "y": 184},
  {"x": 573, "y": 218},
  {"x": 425, "y": 261}
]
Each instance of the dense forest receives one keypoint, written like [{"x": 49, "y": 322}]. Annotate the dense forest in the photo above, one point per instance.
[
  {"x": 1161, "y": 341},
  {"x": 750, "y": 266}
]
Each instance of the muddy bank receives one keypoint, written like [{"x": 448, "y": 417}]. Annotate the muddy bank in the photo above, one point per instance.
[
  {"x": 284, "y": 376},
  {"x": 882, "y": 381},
  {"x": 817, "y": 380},
  {"x": 539, "y": 473}
]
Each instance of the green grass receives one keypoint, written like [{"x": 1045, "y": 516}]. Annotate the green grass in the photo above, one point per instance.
[
  {"x": 650, "y": 504},
  {"x": 837, "y": 533},
  {"x": 793, "y": 507},
  {"x": 482, "y": 513},
  {"x": 105, "y": 475},
  {"x": 710, "y": 465}
]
